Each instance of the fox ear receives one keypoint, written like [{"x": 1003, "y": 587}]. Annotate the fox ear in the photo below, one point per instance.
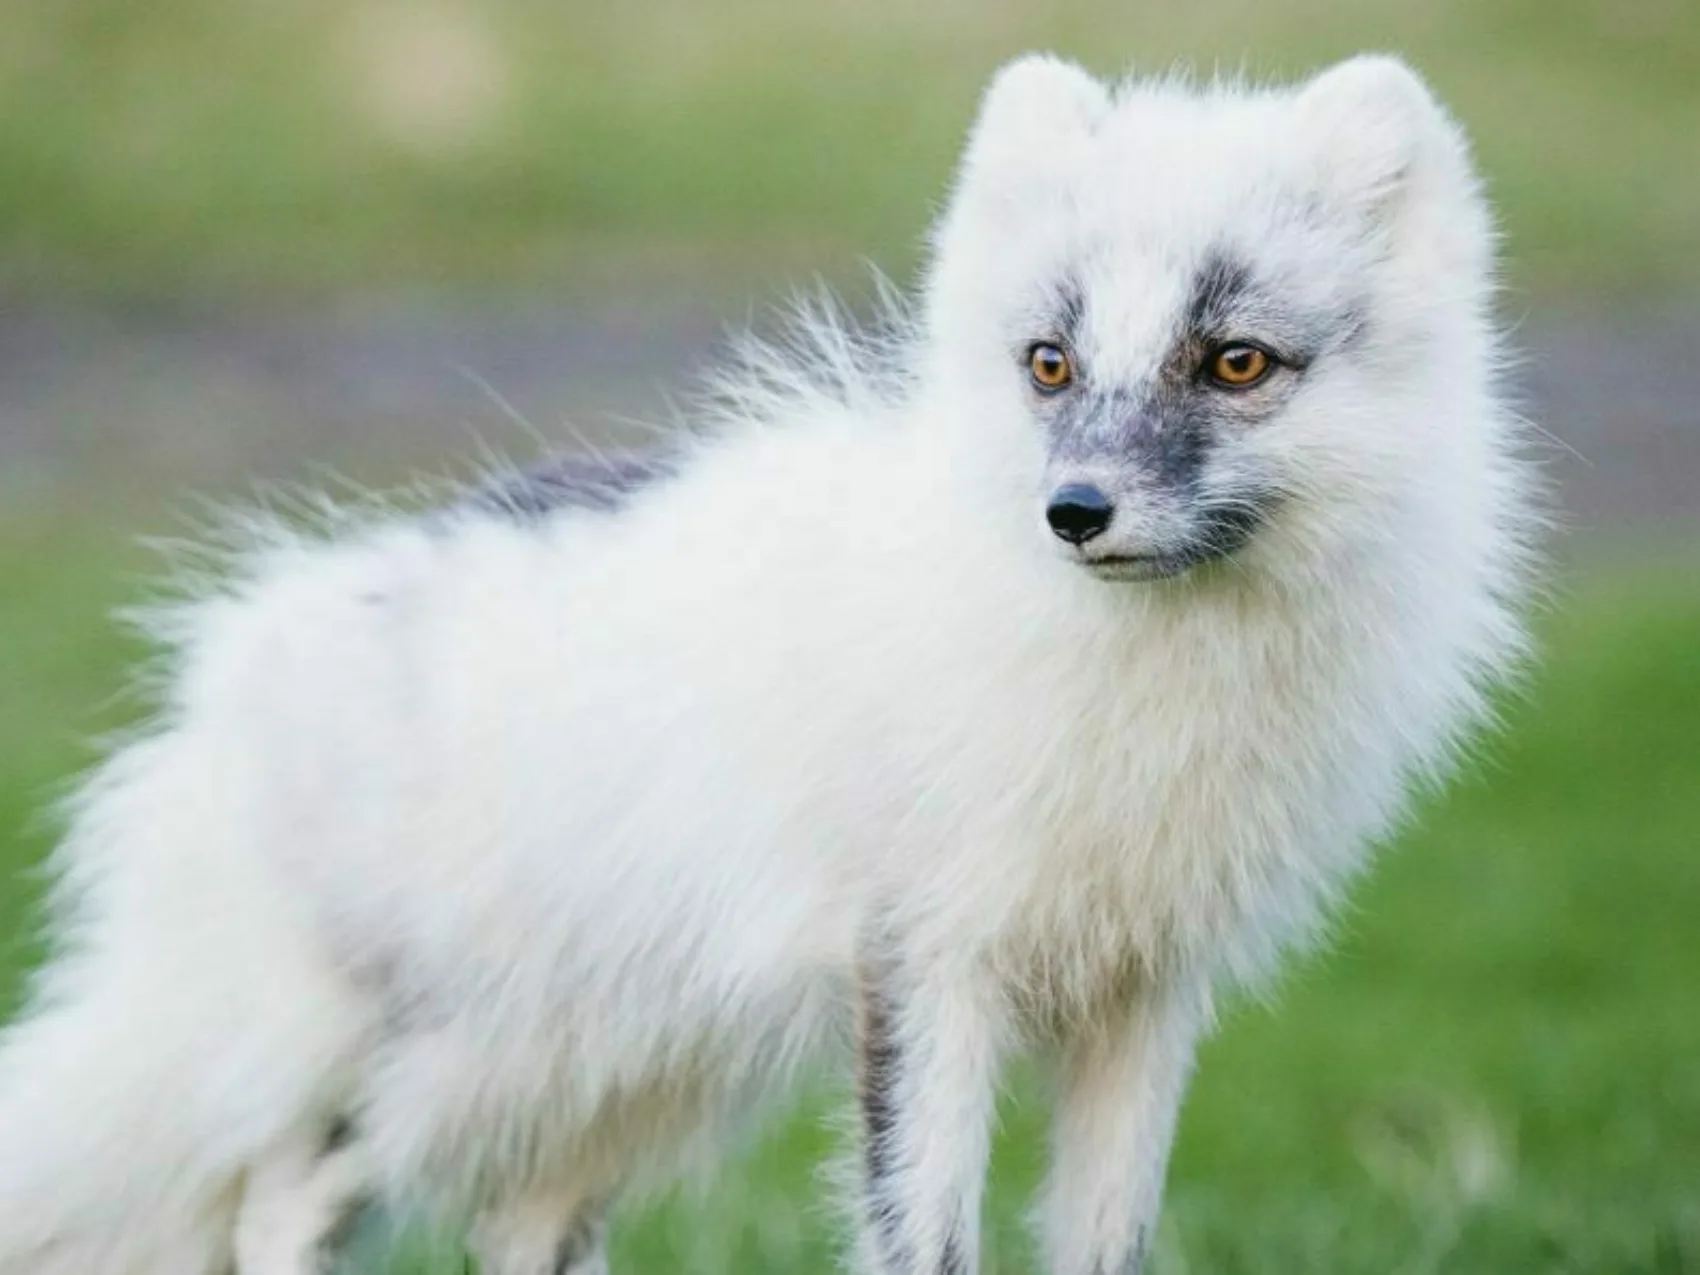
[
  {"x": 1373, "y": 127},
  {"x": 1033, "y": 134},
  {"x": 1037, "y": 110},
  {"x": 1030, "y": 104}
]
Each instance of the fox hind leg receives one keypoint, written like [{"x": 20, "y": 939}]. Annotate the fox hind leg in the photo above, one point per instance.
[
  {"x": 300, "y": 1204},
  {"x": 540, "y": 1237}
]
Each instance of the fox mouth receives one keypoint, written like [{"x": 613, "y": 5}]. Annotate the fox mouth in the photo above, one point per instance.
[
  {"x": 1224, "y": 533},
  {"x": 1141, "y": 566}
]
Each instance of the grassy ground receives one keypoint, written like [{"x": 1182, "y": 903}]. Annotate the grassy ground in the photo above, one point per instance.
[
  {"x": 313, "y": 144},
  {"x": 1494, "y": 1071}
]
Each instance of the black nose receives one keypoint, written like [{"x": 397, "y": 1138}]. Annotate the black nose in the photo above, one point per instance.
[{"x": 1078, "y": 512}]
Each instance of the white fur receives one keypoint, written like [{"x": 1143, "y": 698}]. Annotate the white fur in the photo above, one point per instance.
[{"x": 548, "y": 850}]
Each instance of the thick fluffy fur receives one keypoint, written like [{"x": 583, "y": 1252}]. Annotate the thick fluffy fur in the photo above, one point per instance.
[{"x": 501, "y": 864}]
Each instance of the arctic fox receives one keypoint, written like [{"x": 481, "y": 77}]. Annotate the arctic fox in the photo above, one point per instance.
[{"x": 1007, "y": 683}]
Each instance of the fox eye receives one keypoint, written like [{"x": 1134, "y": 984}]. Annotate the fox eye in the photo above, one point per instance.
[
  {"x": 1049, "y": 367},
  {"x": 1239, "y": 367}
]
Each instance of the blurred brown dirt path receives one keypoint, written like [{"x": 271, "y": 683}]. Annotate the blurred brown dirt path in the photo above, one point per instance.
[{"x": 181, "y": 398}]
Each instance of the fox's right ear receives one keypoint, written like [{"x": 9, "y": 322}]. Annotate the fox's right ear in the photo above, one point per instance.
[
  {"x": 1032, "y": 137},
  {"x": 1036, "y": 113}
]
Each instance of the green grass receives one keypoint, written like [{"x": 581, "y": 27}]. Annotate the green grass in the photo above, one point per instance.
[
  {"x": 1496, "y": 1070},
  {"x": 314, "y": 145}
]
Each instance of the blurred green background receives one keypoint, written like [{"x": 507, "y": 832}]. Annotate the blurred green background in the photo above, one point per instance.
[
  {"x": 310, "y": 144},
  {"x": 242, "y": 238}
]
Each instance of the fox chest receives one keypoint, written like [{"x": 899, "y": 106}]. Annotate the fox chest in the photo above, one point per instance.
[{"x": 1193, "y": 824}]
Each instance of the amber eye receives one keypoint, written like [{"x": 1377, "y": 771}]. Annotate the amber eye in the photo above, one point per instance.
[
  {"x": 1050, "y": 367},
  {"x": 1239, "y": 366}
]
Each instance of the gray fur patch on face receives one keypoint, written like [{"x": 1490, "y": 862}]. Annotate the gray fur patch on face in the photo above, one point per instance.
[
  {"x": 1151, "y": 440},
  {"x": 1152, "y": 429},
  {"x": 603, "y": 485}
]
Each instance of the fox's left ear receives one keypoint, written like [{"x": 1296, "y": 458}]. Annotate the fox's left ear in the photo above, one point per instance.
[{"x": 1374, "y": 131}]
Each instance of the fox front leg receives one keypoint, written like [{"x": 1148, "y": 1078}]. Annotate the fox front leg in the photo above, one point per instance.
[
  {"x": 1123, "y": 1079},
  {"x": 930, "y": 1041}
]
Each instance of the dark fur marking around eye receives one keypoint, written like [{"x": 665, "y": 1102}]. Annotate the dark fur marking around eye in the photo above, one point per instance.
[
  {"x": 1070, "y": 313},
  {"x": 1229, "y": 303},
  {"x": 1219, "y": 291},
  {"x": 576, "y": 482}
]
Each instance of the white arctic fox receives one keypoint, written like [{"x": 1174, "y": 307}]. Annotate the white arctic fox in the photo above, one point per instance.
[{"x": 1002, "y": 686}]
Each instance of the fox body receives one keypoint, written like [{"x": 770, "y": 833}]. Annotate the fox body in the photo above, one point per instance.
[{"x": 1005, "y": 684}]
